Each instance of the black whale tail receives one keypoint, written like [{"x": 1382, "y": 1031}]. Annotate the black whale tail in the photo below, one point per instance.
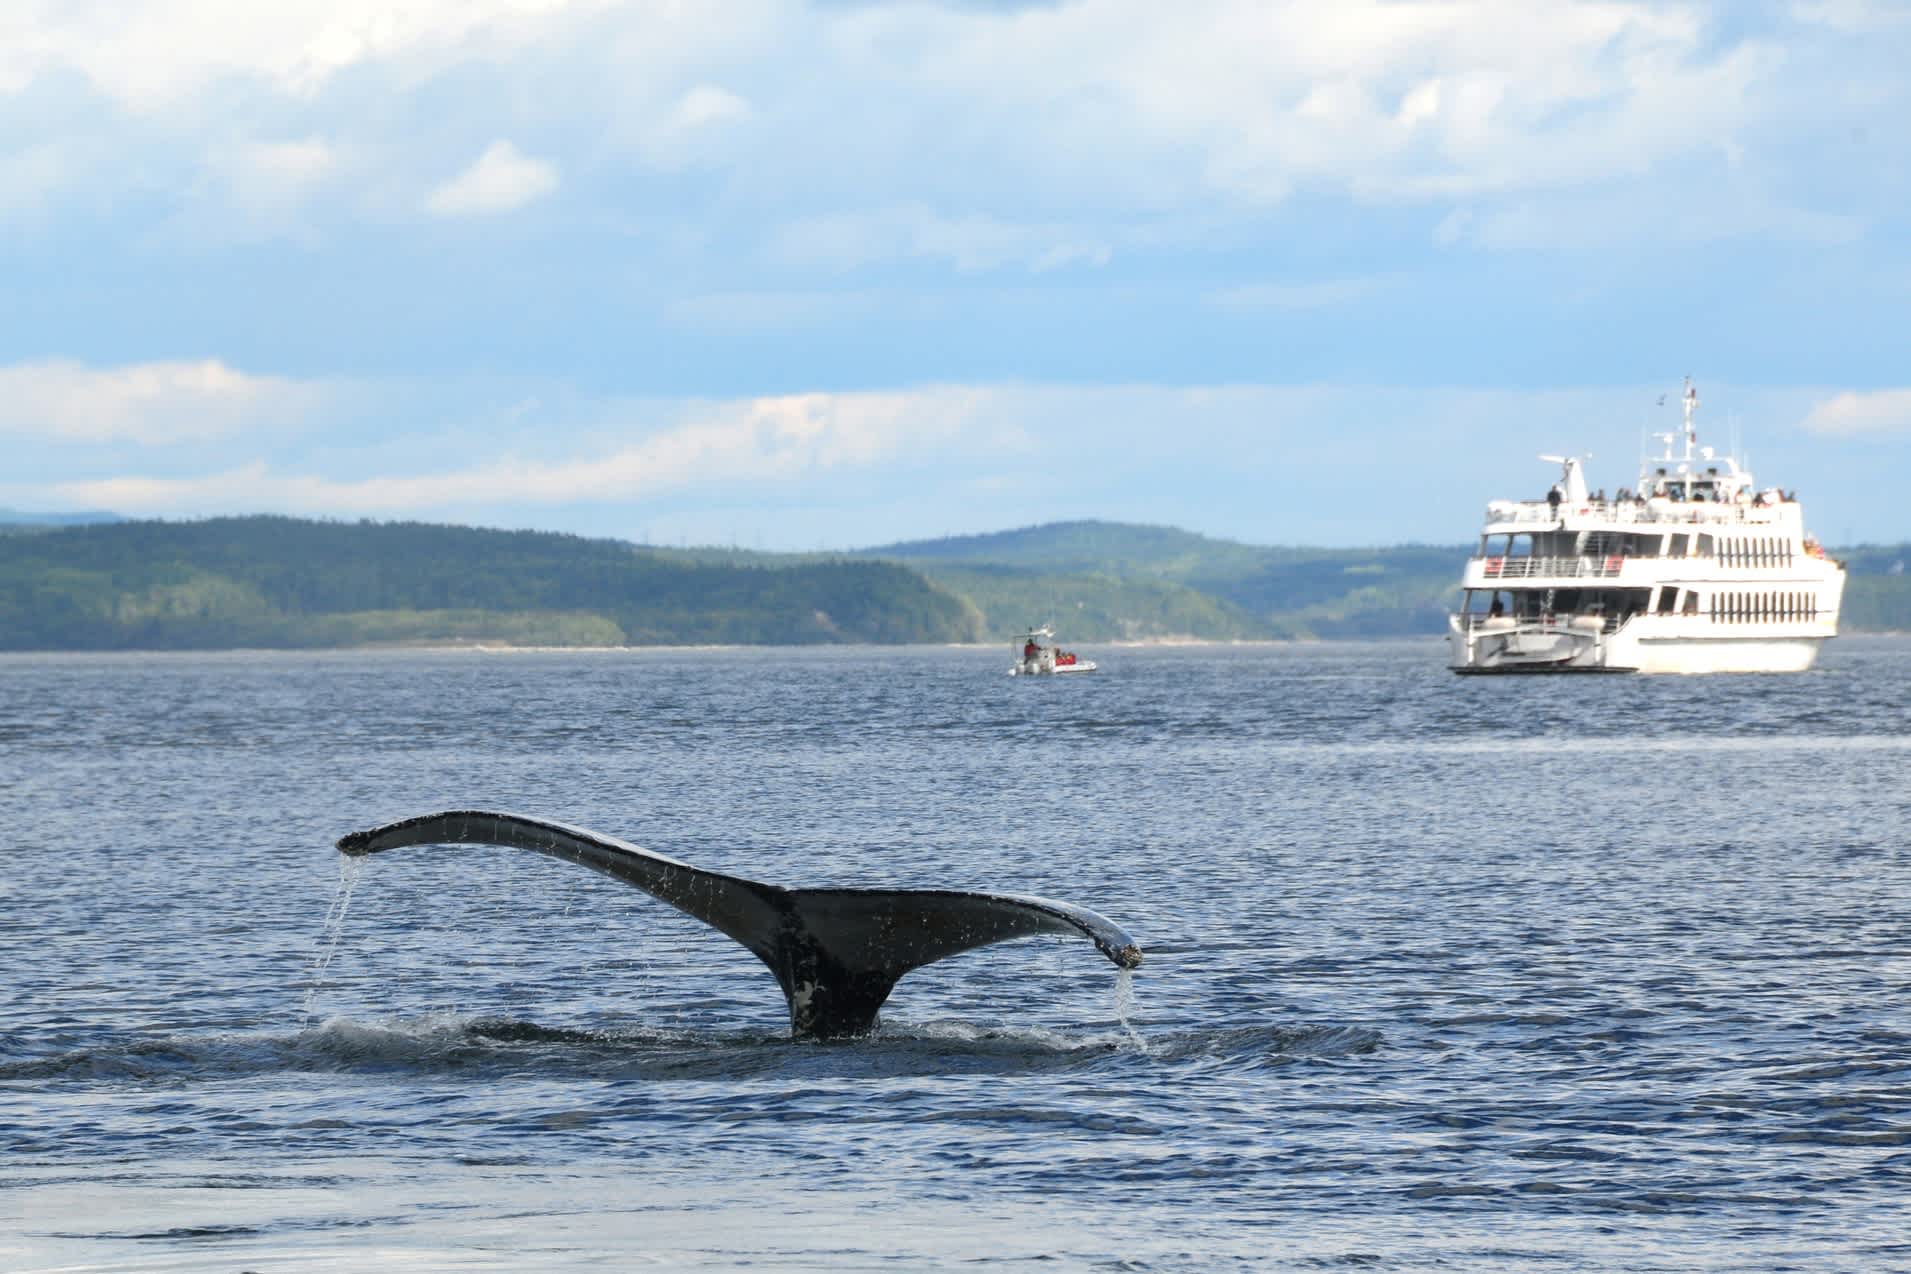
[{"x": 835, "y": 952}]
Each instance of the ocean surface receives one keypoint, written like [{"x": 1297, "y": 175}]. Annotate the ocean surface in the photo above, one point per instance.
[{"x": 1472, "y": 973}]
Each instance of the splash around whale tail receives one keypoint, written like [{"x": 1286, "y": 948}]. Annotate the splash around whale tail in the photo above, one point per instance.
[{"x": 835, "y": 952}]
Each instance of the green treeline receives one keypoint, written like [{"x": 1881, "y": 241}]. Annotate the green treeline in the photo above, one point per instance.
[
  {"x": 1112, "y": 580},
  {"x": 285, "y": 582}
]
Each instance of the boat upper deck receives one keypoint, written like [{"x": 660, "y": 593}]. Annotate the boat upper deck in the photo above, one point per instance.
[
  {"x": 1773, "y": 510},
  {"x": 1697, "y": 486}
]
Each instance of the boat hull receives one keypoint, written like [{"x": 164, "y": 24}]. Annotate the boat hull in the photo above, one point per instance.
[{"x": 1531, "y": 648}]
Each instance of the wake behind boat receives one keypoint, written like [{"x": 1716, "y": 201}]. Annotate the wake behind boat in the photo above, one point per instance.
[
  {"x": 1038, "y": 655},
  {"x": 1697, "y": 571}
]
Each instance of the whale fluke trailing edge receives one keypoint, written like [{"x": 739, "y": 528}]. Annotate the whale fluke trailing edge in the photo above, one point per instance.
[{"x": 835, "y": 952}]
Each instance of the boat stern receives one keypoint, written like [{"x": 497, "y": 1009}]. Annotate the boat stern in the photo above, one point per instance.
[{"x": 1496, "y": 643}]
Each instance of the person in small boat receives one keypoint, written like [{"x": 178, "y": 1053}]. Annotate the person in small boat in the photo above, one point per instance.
[{"x": 1031, "y": 650}]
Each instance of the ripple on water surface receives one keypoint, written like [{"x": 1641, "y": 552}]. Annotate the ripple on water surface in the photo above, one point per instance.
[{"x": 1489, "y": 974}]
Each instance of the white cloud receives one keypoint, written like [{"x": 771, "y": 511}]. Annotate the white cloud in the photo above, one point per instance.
[
  {"x": 270, "y": 180},
  {"x": 708, "y": 104},
  {"x": 499, "y": 180},
  {"x": 696, "y": 129},
  {"x": 1066, "y": 124},
  {"x": 1881, "y": 411},
  {"x": 152, "y": 56},
  {"x": 762, "y": 440},
  {"x": 288, "y": 164},
  {"x": 150, "y": 403}
]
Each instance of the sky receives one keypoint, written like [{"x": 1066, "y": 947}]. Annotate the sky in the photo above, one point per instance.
[{"x": 802, "y": 274}]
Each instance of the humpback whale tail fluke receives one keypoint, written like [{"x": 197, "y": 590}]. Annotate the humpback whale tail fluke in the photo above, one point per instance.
[{"x": 835, "y": 952}]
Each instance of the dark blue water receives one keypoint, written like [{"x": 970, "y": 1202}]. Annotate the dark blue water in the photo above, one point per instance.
[{"x": 1555, "y": 973}]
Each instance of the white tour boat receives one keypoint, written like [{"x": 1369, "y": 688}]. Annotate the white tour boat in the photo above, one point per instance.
[
  {"x": 1037, "y": 655},
  {"x": 1696, "y": 571}
]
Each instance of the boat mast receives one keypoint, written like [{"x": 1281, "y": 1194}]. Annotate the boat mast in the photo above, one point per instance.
[{"x": 1691, "y": 405}]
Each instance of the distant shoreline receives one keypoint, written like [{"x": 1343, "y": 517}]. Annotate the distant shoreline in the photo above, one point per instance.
[
  {"x": 478, "y": 648},
  {"x": 492, "y": 648}
]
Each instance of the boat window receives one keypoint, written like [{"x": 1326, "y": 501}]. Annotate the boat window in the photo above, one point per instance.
[
  {"x": 1691, "y": 606},
  {"x": 1668, "y": 596},
  {"x": 1677, "y": 548}
]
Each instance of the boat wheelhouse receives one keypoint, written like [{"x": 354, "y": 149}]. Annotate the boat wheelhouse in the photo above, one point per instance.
[{"x": 1697, "y": 570}]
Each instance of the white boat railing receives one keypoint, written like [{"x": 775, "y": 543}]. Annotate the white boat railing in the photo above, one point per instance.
[
  {"x": 1502, "y": 568},
  {"x": 1658, "y": 511},
  {"x": 1473, "y": 622}
]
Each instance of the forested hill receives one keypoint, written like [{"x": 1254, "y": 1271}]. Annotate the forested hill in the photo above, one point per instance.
[
  {"x": 1115, "y": 579},
  {"x": 284, "y": 582}
]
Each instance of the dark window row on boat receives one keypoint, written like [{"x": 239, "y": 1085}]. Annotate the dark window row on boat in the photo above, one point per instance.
[
  {"x": 1614, "y": 606},
  {"x": 1730, "y": 550}
]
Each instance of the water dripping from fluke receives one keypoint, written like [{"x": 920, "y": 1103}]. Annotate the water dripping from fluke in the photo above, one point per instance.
[
  {"x": 1125, "y": 1006},
  {"x": 350, "y": 869}
]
